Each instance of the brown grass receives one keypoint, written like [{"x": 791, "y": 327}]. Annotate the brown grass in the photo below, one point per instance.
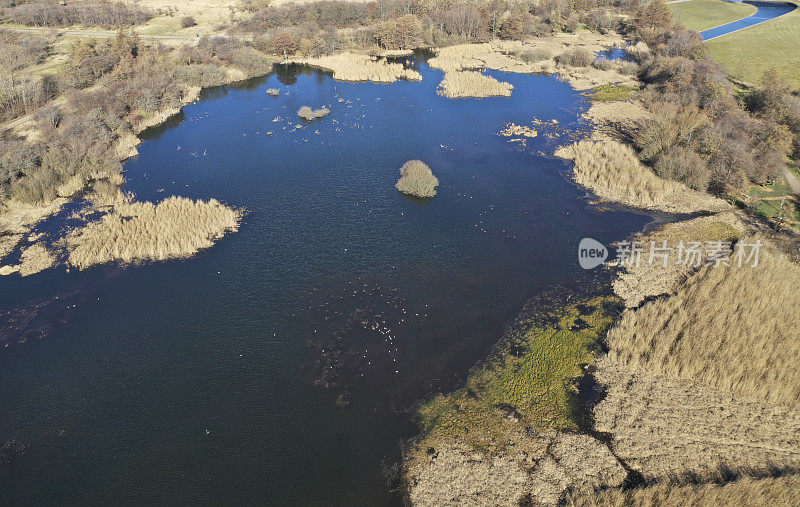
[
  {"x": 138, "y": 231},
  {"x": 613, "y": 172},
  {"x": 361, "y": 67},
  {"x": 646, "y": 280},
  {"x": 417, "y": 179},
  {"x": 773, "y": 492},
  {"x": 728, "y": 327},
  {"x": 537, "y": 468},
  {"x": 668, "y": 427}
]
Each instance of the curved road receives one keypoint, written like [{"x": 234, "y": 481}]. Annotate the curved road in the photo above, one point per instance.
[{"x": 766, "y": 11}]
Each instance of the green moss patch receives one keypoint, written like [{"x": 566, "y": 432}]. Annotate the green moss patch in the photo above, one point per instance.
[
  {"x": 528, "y": 380},
  {"x": 611, "y": 92}
]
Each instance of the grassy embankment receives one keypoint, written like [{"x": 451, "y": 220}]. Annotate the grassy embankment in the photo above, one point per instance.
[
  {"x": 701, "y": 15},
  {"x": 749, "y": 53}
]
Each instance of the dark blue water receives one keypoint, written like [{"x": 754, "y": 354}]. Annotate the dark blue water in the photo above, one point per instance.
[
  {"x": 766, "y": 11},
  {"x": 283, "y": 365}
]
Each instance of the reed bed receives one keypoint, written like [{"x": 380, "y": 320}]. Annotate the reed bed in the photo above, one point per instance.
[
  {"x": 771, "y": 491},
  {"x": 176, "y": 227},
  {"x": 467, "y": 83},
  {"x": 417, "y": 179},
  {"x": 361, "y": 67},
  {"x": 663, "y": 426},
  {"x": 613, "y": 172},
  {"x": 34, "y": 259},
  {"x": 646, "y": 279},
  {"x": 727, "y": 326},
  {"x": 309, "y": 114}
]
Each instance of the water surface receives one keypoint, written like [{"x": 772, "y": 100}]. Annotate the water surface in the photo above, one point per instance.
[{"x": 283, "y": 365}]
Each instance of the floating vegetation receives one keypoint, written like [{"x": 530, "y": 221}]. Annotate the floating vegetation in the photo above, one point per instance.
[
  {"x": 417, "y": 179},
  {"x": 514, "y": 130}
]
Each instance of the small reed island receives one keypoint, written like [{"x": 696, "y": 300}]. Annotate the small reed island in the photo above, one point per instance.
[
  {"x": 309, "y": 114},
  {"x": 417, "y": 179}
]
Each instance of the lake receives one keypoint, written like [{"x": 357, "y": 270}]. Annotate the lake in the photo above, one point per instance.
[{"x": 284, "y": 364}]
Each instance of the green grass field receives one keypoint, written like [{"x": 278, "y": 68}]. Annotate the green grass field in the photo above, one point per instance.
[
  {"x": 768, "y": 201},
  {"x": 747, "y": 54},
  {"x": 703, "y": 14}
]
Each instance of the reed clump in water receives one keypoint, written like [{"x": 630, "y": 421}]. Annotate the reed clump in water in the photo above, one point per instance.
[
  {"x": 613, "y": 172},
  {"x": 417, "y": 179},
  {"x": 309, "y": 114},
  {"x": 273, "y": 91},
  {"x": 176, "y": 227},
  {"x": 361, "y": 67},
  {"x": 467, "y": 83}
]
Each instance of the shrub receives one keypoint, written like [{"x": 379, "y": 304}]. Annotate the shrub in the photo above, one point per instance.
[
  {"x": 683, "y": 164},
  {"x": 200, "y": 74},
  {"x": 533, "y": 55},
  {"x": 578, "y": 57},
  {"x": 417, "y": 179},
  {"x": 187, "y": 22},
  {"x": 309, "y": 114},
  {"x": 603, "y": 64},
  {"x": 629, "y": 68}
]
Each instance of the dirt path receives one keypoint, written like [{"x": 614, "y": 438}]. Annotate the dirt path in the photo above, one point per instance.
[
  {"x": 793, "y": 180},
  {"x": 96, "y": 33}
]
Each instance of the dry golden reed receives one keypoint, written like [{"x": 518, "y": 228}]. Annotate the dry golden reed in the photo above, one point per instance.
[
  {"x": 309, "y": 114},
  {"x": 728, "y": 327},
  {"x": 34, "y": 259},
  {"x": 613, "y": 172},
  {"x": 361, "y": 67},
  {"x": 467, "y": 83},
  {"x": 772, "y": 492},
  {"x": 417, "y": 179},
  {"x": 668, "y": 427},
  {"x": 137, "y": 231}
]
